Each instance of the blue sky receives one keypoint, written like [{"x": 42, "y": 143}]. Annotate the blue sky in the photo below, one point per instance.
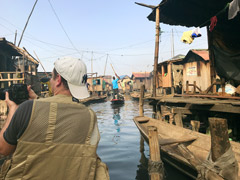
[{"x": 117, "y": 29}]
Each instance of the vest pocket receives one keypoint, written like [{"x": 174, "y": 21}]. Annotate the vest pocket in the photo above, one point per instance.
[{"x": 60, "y": 168}]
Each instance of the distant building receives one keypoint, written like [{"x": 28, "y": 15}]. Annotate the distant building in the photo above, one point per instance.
[{"x": 140, "y": 78}]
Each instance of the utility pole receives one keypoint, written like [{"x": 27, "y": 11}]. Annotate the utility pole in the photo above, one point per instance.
[
  {"x": 157, "y": 20},
  {"x": 27, "y": 23},
  {"x": 172, "y": 44},
  {"x": 156, "y": 50},
  {"x": 92, "y": 63},
  {"x": 105, "y": 65}
]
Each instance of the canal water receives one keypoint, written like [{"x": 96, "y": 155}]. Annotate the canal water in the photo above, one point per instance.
[{"x": 121, "y": 146}]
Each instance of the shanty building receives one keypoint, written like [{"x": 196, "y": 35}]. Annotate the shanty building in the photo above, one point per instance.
[
  {"x": 140, "y": 78},
  {"x": 17, "y": 66},
  {"x": 170, "y": 75},
  {"x": 196, "y": 70}
]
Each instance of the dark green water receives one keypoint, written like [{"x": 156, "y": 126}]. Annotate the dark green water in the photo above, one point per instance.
[{"x": 121, "y": 146}]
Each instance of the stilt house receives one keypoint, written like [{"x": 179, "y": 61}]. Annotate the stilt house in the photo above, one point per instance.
[
  {"x": 17, "y": 66},
  {"x": 140, "y": 78},
  {"x": 196, "y": 70},
  {"x": 170, "y": 75}
]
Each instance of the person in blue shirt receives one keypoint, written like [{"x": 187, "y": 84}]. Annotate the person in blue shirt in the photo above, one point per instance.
[{"x": 115, "y": 86}]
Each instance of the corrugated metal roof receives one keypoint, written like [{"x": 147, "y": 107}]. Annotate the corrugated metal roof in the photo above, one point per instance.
[
  {"x": 141, "y": 74},
  {"x": 16, "y": 51},
  {"x": 196, "y": 55},
  {"x": 188, "y": 13},
  {"x": 203, "y": 53}
]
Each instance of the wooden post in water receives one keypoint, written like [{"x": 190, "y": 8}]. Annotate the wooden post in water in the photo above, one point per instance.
[
  {"x": 195, "y": 125},
  {"x": 141, "y": 100},
  {"x": 155, "y": 164},
  {"x": 156, "y": 50},
  {"x": 219, "y": 137}
]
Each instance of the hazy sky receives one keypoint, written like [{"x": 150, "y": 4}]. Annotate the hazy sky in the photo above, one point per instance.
[{"x": 114, "y": 30}]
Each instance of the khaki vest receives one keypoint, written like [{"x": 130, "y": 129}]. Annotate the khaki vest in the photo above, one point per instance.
[{"x": 56, "y": 144}]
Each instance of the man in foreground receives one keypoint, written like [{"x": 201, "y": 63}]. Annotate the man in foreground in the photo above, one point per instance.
[
  {"x": 56, "y": 137},
  {"x": 115, "y": 86}
]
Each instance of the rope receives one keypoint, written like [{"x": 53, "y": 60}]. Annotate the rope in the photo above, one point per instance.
[{"x": 223, "y": 10}]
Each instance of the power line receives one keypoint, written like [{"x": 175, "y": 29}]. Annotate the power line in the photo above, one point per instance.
[{"x": 63, "y": 27}]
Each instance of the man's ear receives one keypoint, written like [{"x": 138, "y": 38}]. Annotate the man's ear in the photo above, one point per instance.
[{"x": 59, "y": 80}]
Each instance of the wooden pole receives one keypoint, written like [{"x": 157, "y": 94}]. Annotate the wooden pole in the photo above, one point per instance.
[
  {"x": 211, "y": 58},
  {"x": 41, "y": 64},
  {"x": 113, "y": 69},
  {"x": 105, "y": 65},
  {"x": 178, "y": 119},
  {"x": 15, "y": 38},
  {"x": 141, "y": 100},
  {"x": 187, "y": 87},
  {"x": 195, "y": 125},
  {"x": 223, "y": 86},
  {"x": 194, "y": 87},
  {"x": 27, "y": 23},
  {"x": 156, "y": 50},
  {"x": 92, "y": 63},
  {"x": 155, "y": 158},
  {"x": 219, "y": 137}
]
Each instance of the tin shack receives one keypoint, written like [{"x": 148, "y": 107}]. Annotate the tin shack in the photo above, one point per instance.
[
  {"x": 196, "y": 70},
  {"x": 140, "y": 78},
  {"x": 170, "y": 75}
]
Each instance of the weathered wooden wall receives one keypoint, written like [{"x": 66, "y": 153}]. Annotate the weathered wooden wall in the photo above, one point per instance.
[
  {"x": 198, "y": 71},
  {"x": 146, "y": 81}
]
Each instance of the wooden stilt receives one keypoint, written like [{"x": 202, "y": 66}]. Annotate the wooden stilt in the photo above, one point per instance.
[
  {"x": 141, "y": 100},
  {"x": 159, "y": 114},
  {"x": 172, "y": 90},
  {"x": 156, "y": 166},
  {"x": 219, "y": 137},
  {"x": 178, "y": 119},
  {"x": 195, "y": 125},
  {"x": 187, "y": 87},
  {"x": 194, "y": 87},
  {"x": 154, "y": 112}
]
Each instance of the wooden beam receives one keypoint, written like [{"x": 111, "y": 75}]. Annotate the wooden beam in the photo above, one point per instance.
[
  {"x": 156, "y": 171},
  {"x": 141, "y": 100},
  {"x": 156, "y": 50},
  {"x": 145, "y": 5}
]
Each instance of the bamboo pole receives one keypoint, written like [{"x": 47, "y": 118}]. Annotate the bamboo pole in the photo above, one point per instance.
[
  {"x": 41, "y": 64},
  {"x": 141, "y": 100},
  {"x": 27, "y": 23},
  {"x": 156, "y": 50},
  {"x": 156, "y": 168}
]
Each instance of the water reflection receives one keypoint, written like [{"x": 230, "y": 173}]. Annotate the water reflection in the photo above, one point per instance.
[
  {"x": 116, "y": 118},
  {"x": 142, "y": 171}
]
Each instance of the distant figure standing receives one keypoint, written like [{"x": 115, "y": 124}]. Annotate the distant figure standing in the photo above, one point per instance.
[{"x": 115, "y": 86}]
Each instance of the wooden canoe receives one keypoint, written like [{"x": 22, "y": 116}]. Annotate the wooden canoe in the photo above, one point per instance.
[
  {"x": 117, "y": 101},
  {"x": 170, "y": 136}
]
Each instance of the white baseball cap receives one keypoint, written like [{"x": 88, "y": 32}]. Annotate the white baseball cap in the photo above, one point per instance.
[{"x": 74, "y": 71}]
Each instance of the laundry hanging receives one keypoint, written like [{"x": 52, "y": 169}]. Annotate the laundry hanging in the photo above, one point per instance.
[
  {"x": 234, "y": 8},
  {"x": 188, "y": 36}
]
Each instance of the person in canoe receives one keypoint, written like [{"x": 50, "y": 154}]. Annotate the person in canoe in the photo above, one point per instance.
[
  {"x": 56, "y": 137},
  {"x": 115, "y": 86}
]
